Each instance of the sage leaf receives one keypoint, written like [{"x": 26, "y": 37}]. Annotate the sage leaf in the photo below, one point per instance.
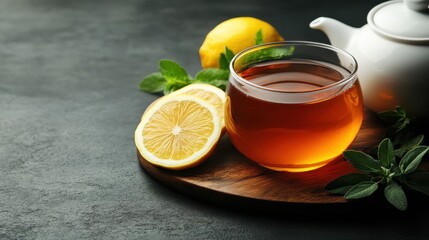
[
  {"x": 396, "y": 195},
  {"x": 153, "y": 83},
  {"x": 409, "y": 145},
  {"x": 400, "y": 125},
  {"x": 393, "y": 116},
  {"x": 390, "y": 116},
  {"x": 385, "y": 153},
  {"x": 173, "y": 72},
  {"x": 344, "y": 183},
  {"x": 362, "y": 161},
  {"x": 259, "y": 38},
  {"x": 412, "y": 159},
  {"x": 361, "y": 190},
  {"x": 401, "y": 111},
  {"x": 419, "y": 181}
]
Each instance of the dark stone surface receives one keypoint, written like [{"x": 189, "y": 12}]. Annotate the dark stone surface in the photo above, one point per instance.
[{"x": 69, "y": 105}]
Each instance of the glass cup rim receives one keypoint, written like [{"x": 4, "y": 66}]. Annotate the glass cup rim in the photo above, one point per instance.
[{"x": 350, "y": 77}]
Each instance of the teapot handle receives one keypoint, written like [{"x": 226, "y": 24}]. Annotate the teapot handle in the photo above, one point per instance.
[{"x": 417, "y": 5}]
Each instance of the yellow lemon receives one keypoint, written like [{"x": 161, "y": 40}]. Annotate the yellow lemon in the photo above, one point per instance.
[
  {"x": 237, "y": 34},
  {"x": 178, "y": 132}
]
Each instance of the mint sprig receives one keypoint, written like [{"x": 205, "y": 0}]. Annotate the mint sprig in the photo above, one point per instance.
[
  {"x": 387, "y": 171},
  {"x": 172, "y": 76}
]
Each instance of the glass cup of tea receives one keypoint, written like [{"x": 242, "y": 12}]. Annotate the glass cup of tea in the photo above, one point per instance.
[{"x": 293, "y": 106}]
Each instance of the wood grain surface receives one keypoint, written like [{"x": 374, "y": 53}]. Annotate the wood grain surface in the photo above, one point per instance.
[{"x": 228, "y": 177}]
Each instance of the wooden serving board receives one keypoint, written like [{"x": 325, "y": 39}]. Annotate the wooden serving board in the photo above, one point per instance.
[{"x": 227, "y": 177}]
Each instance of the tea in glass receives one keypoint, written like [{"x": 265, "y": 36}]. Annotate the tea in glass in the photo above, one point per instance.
[{"x": 293, "y": 112}]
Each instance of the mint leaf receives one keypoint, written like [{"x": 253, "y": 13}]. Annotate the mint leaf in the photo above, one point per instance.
[
  {"x": 344, "y": 183},
  {"x": 212, "y": 74},
  {"x": 173, "y": 72},
  {"x": 362, "y": 189},
  {"x": 228, "y": 54},
  {"x": 259, "y": 39},
  {"x": 419, "y": 181},
  {"x": 264, "y": 54},
  {"x": 225, "y": 59},
  {"x": 153, "y": 83},
  {"x": 396, "y": 195},
  {"x": 385, "y": 153},
  {"x": 362, "y": 161},
  {"x": 222, "y": 84},
  {"x": 173, "y": 86},
  {"x": 412, "y": 159},
  {"x": 173, "y": 77},
  {"x": 223, "y": 62}
]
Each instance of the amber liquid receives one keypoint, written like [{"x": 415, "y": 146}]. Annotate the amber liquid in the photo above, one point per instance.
[{"x": 293, "y": 137}]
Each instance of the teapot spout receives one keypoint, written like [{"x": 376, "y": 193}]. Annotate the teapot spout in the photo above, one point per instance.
[{"x": 339, "y": 34}]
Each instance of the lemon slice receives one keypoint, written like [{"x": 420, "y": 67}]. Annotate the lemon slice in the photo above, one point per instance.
[
  {"x": 178, "y": 132},
  {"x": 215, "y": 96}
]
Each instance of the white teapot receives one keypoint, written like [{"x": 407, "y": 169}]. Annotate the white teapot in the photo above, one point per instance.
[{"x": 392, "y": 52}]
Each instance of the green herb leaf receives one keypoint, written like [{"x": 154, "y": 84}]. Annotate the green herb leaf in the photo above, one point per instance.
[
  {"x": 400, "y": 125},
  {"x": 259, "y": 38},
  {"x": 222, "y": 84},
  {"x": 362, "y": 161},
  {"x": 173, "y": 86},
  {"x": 396, "y": 195},
  {"x": 223, "y": 62},
  {"x": 412, "y": 159},
  {"x": 153, "y": 83},
  {"x": 392, "y": 116},
  {"x": 173, "y": 72},
  {"x": 212, "y": 74},
  {"x": 225, "y": 59},
  {"x": 265, "y": 54},
  {"x": 401, "y": 111},
  {"x": 385, "y": 153},
  {"x": 399, "y": 122},
  {"x": 419, "y": 181},
  {"x": 403, "y": 142},
  {"x": 362, "y": 189},
  {"x": 344, "y": 183},
  {"x": 395, "y": 170},
  {"x": 228, "y": 54},
  {"x": 409, "y": 145}
]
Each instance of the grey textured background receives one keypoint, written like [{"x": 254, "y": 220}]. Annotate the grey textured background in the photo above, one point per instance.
[{"x": 69, "y": 105}]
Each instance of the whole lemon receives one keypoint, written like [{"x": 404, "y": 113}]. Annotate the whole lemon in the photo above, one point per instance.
[{"x": 237, "y": 34}]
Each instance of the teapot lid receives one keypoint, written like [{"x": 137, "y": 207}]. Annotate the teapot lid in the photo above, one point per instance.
[{"x": 404, "y": 20}]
